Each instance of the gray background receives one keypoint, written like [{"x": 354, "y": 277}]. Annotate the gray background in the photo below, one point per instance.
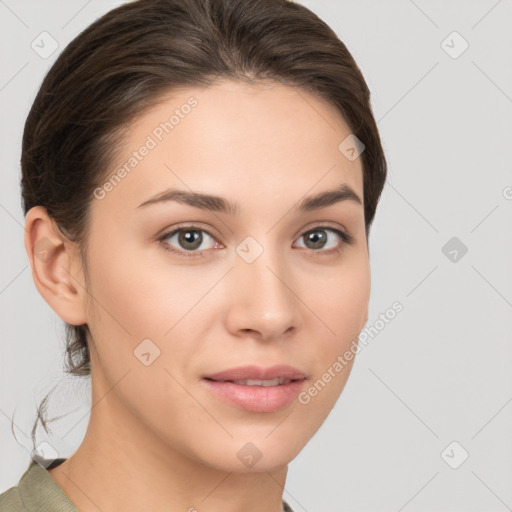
[{"x": 440, "y": 371}]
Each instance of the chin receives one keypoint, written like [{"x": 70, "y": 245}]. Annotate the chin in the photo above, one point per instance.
[{"x": 253, "y": 454}]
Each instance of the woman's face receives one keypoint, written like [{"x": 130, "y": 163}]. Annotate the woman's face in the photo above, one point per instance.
[{"x": 270, "y": 282}]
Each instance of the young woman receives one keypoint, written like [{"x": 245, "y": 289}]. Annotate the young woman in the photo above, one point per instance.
[{"x": 199, "y": 181}]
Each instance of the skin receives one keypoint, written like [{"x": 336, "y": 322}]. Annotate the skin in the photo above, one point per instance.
[{"x": 157, "y": 428}]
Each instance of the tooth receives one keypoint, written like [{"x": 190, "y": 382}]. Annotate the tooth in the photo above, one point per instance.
[
  {"x": 274, "y": 382},
  {"x": 257, "y": 382}
]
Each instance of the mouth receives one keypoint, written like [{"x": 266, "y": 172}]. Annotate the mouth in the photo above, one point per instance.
[
  {"x": 258, "y": 382},
  {"x": 256, "y": 389}
]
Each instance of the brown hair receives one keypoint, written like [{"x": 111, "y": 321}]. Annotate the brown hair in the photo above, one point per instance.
[{"x": 136, "y": 53}]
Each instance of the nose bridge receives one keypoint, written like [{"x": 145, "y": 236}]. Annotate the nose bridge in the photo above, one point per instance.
[
  {"x": 264, "y": 300},
  {"x": 267, "y": 275}
]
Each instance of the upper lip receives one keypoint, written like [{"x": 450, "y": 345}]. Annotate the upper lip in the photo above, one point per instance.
[{"x": 258, "y": 373}]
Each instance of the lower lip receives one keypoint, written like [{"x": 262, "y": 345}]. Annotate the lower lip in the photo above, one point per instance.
[{"x": 257, "y": 398}]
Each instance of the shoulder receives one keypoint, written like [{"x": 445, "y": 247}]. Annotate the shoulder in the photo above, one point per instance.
[
  {"x": 10, "y": 500},
  {"x": 36, "y": 492}
]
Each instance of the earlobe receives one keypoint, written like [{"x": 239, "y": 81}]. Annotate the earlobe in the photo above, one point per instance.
[{"x": 56, "y": 267}]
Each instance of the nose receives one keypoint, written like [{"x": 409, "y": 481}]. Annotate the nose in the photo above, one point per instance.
[{"x": 263, "y": 300}]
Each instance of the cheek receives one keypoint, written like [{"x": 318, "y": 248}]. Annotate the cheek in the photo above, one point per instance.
[
  {"x": 142, "y": 299},
  {"x": 341, "y": 306},
  {"x": 341, "y": 300},
  {"x": 136, "y": 299}
]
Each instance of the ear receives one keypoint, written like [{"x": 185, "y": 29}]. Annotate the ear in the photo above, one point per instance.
[{"x": 56, "y": 266}]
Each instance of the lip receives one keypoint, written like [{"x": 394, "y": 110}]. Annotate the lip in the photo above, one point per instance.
[
  {"x": 256, "y": 398},
  {"x": 256, "y": 372}
]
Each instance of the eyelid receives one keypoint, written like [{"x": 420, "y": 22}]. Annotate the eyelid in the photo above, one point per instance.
[{"x": 324, "y": 225}]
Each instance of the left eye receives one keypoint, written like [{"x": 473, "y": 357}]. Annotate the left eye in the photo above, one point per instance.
[{"x": 317, "y": 238}]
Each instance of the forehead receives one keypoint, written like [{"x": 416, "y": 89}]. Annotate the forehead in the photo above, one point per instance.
[{"x": 254, "y": 141}]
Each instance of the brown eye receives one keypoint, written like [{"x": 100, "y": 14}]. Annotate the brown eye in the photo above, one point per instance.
[
  {"x": 325, "y": 238},
  {"x": 188, "y": 239},
  {"x": 315, "y": 239}
]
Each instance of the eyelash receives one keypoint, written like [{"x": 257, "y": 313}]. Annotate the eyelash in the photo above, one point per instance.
[{"x": 346, "y": 239}]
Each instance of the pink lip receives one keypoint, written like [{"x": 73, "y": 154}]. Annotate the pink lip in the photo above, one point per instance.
[
  {"x": 257, "y": 398},
  {"x": 256, "y": 372}
]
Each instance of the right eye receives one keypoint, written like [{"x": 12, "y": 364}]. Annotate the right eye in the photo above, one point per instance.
[{"x": 189, "y": 239}]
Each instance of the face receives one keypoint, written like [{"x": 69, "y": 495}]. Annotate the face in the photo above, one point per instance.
[{"x": 183, "y": 286}]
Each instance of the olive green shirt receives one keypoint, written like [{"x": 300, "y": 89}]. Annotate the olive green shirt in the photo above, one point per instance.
[{"x": 37, "y": 491}]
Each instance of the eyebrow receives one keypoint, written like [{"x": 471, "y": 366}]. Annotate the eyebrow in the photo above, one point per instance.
[{"x": 222, "y": 205}]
